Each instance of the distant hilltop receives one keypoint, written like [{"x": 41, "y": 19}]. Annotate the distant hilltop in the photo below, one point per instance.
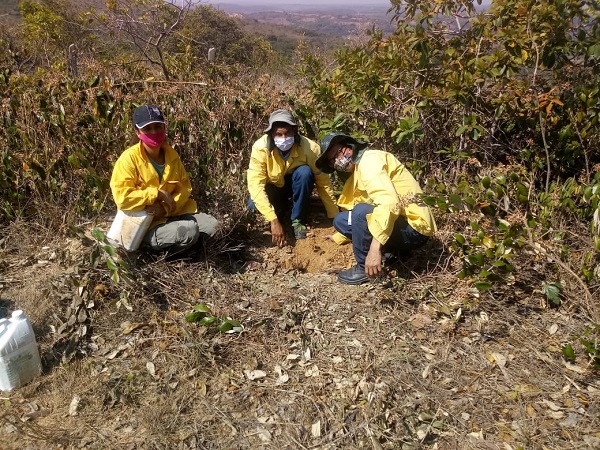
[
  {"x": 325, "y": 3},
  {"x": 313, "y": 5},
  {"x": 339, "y": 6}
]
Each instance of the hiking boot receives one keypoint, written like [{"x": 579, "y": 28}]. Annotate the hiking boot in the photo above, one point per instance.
[
  {"x": 299, "y": 229},
  {"x": 354, "y": 275}
]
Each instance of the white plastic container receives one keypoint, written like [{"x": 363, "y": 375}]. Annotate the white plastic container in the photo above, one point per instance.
[
  {"x": 129, "y": 228},
  {"x": 19, "y": 355}
]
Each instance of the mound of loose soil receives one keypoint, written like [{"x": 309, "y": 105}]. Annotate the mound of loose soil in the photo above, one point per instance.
[{"x": 315, "y": 254}]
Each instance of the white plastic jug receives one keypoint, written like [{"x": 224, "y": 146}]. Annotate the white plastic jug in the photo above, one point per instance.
[
  {"x": 129, "y": 228},
  {"x": 19, "y": 355}
]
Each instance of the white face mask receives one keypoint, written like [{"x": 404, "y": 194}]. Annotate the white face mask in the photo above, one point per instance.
[
  {"x": 342, "y": 164},
  {"x": 284, "y": 144}
]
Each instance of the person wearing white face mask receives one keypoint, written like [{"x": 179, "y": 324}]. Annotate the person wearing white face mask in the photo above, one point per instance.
[
  {"x": 282, "y": 168},
  {"x": 379, "y": 209}
]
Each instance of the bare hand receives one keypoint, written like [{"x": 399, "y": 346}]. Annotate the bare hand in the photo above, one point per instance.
[
  {"x": 156, "y": 210},
  {"x": 373, "y": 260},
  {"x": 167, "y": 199},
  {"x": 277, "y": 233}
]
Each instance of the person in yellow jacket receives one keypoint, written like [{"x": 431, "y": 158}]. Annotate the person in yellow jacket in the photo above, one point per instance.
[
  {"x": 282, "y": 167},
  {"x": 150, "y": 176},
  {"x": 380, "y": 211}
]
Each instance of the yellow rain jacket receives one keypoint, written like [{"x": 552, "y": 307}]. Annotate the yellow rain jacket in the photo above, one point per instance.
[
  {"x": 381, "y": 180},
  {"x": 134, "y": 182},
  {"x": 267, "y": 166}
]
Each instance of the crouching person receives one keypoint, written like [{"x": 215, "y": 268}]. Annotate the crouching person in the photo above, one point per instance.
[
  {"x": 150, "y": 176},
  {"x": 380, "y": 214},
  {"x": 282, "y": 171}
]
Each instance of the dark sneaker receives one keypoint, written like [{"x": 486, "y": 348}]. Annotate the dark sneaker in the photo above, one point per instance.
[
  {"x": 354, "y": 275},
  {"x": 299, "y": 229}
]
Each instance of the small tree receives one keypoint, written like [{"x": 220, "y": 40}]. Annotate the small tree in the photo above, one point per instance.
[{"x": 147, "y": 25}]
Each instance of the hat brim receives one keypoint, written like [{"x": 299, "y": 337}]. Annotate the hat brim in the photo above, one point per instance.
[
  {"x": 270, "y": 127},
  {"x": 145, "y": 124},
  {"x": 322, "y": 163}
]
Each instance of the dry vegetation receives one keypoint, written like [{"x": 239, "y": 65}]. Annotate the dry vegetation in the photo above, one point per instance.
[
  {"x": 414, "y": 360},
  {"x": 418, "y": 359}
]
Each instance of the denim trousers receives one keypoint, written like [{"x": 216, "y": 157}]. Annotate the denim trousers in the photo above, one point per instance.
[
  {"x": 353, "y": 225},
  {"x": 298, "y": 187}
]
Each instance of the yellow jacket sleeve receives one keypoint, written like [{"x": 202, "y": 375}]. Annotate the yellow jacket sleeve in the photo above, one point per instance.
[
  {"x": 267, "y": 166},
  {"x": 128, "y": 193},
  {"x": 376, "y": 182},
  {"x": 323, "y": 182},
  {"x": 135, "y": 184},
  {"x": 177, "y": 183},
  {"x": 257, "y": 179},
  {"x": 339, "y": 238}
]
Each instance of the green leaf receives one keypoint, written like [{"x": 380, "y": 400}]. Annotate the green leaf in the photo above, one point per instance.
[
  {"x": 459, "y": 238},
  {"x": 476, "y": 259},
  {"x": 483, "y": 285},
  {"x": 229, "y": 325},
  {"x": 111, "y": 264},
  {"x": 98, "y": 234},
  {"x": 207, "y": 320},
  {"x": 552, "y": 292},
  {"x": 456, "y": 201},
  {"x": 201, "y": 307},
  {"x": 594, "y": 50},
  {"x": 195, "y": 316},
  {"x": 94, "y": 81},
  {"x": 441, "y": 204},
  {"x": 429, "y": 201},
  {"x": 568, "y": 352},
  {"x": 461, "y": 130}
]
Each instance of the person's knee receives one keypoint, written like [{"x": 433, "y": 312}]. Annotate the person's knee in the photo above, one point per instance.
[
  {"x": 361, "y": 211},
  {"x": 250, "y": 205},
  {"x": 340, "y": 221},
  {"x": 187, "y": 233},
  {"x": 176, "y": 234},
  {"x": 206, "y": 224},
  {"x": 302, "y": 173}
]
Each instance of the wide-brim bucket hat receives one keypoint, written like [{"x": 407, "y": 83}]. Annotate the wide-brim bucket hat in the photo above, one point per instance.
[
  {"x": 280, "y": 115},
  {"x": 329, "y": 140}
]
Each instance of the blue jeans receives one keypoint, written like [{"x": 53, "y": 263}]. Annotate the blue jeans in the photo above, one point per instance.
[
  {"x": 403, "y": 239},
  {"x": 297, "y": 186}
]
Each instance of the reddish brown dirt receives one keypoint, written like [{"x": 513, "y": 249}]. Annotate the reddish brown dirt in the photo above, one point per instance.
[{"x": 315, "y": 254}]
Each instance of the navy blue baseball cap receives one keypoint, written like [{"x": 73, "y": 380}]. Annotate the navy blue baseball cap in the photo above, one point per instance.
[{"x": 147, "y": 114}]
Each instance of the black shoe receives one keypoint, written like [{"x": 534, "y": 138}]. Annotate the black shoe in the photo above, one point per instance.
[{"x": 354, "y": 275}]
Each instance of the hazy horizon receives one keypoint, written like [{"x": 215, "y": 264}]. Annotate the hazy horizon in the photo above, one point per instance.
[
  {"x": 310, "y": 3},
  {"x": 279, "y": 4}
]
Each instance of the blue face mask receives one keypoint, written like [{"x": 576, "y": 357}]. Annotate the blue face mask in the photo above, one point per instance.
[{"x": 284, "y": 144}]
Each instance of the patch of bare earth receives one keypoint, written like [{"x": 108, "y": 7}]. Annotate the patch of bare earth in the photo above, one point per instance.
[{"x": 416, "y": 360}]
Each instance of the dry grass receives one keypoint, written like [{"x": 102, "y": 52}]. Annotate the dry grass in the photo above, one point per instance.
[{"x": 415, "y": 361}]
